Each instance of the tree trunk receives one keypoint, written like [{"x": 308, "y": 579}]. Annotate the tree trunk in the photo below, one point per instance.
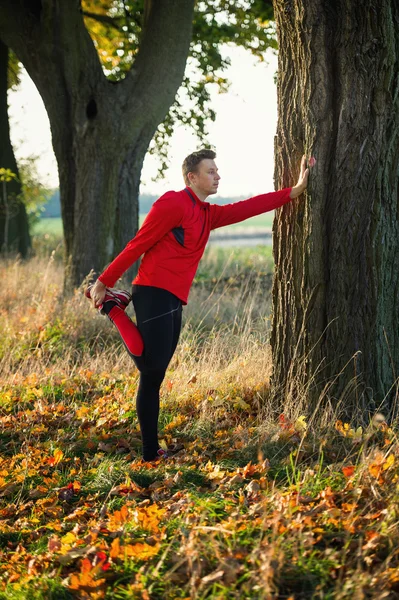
[
  {"x": 336, "y": 287},
  {"x": 101, "y": 130},
  {"x": 105, "y": 190},
  {"x": 14, "y": 230}
]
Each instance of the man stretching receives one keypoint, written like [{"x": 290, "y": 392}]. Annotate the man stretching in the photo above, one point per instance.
[{"x": 172, "y": 239}]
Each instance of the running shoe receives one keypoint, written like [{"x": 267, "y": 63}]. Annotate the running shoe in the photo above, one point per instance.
[
  {"x": 120, "y": 297},
  {"x": 161, "y": 453}
]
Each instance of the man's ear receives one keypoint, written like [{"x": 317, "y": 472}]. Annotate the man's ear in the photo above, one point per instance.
[{"x": 190, "y": 177}]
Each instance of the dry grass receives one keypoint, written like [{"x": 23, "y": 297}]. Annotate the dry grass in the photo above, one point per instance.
[{"x": 223, "y": 338}]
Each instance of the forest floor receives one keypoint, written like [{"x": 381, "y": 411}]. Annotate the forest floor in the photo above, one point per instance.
[{"x": 262, "y": 502}]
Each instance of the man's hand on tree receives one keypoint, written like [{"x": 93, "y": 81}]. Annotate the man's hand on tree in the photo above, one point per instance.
[{"x": 303, "y": 178}]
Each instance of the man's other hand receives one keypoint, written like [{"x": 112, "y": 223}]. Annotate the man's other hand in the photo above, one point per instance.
[{"x": 97, "y": 293}]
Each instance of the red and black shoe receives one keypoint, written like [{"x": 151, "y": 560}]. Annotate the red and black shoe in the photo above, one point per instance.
[
  {"x": 169, "y": 453},
  {"x": 120, "y": 297},
  {"x": 160, "y": 455}
]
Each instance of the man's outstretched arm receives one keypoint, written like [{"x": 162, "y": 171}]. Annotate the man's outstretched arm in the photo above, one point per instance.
[{"x": 240, "y": 211}]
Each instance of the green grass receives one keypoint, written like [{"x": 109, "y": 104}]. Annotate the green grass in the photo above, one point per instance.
[
  {"x": 261, "y": 221},
  {"x": 50, "y": 226}
]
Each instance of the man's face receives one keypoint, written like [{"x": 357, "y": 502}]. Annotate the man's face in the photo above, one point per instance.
[{"x": 206, "y": 178}]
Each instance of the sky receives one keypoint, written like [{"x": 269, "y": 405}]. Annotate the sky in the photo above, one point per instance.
[{"x": 243, "y": 133}]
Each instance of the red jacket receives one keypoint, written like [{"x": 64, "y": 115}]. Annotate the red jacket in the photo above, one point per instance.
[{"x": 174, "y": 235}]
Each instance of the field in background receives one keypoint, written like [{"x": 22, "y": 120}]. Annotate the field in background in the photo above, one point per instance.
[
  {"x": 266, "y": 501},
  {"x": 54, "y": 225}
]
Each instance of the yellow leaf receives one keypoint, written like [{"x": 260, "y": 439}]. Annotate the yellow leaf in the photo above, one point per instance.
[
  {"x": 240, "y": 403},
  {"x": 67, "y": 541},
  {"x": 300, "y": 423},
  {"x": 358, "y": 433},
  {"x": 54, "y": 525},
  {"x": 38, "y": 392},
  {"x": 390, "y": 460},
  {"x": 82, "y": 411}
]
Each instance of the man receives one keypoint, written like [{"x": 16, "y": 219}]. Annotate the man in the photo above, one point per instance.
[{"x": 173, "y": 239}]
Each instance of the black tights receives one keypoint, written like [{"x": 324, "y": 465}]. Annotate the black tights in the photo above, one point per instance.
[{"x": 159, "y": 316}]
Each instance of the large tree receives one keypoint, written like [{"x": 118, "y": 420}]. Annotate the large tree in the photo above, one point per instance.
[
  {"x": 102, "y": 127},
  {"x": 336, "y": 288},
  {"x": 14, "y": 230}
]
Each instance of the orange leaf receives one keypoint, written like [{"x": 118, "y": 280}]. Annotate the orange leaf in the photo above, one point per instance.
[
  {"x": 141, "y": 551},
  {"x": 373, "y": 516},
  {"x": 148, "y": 517},
  {"x": 119, "y": 518},
  {"x": 74, "y": 582},
  {"x": 348, "y": 506},
  {"x": 375, "y": 470},
  {"x": 348, "y": 471},
  {"x": 249, "y": 470},
  {"x": 115, "y": 548},
  {"x": 56, "y": 458},
  {"x": 85, "y": 567},
  {"x": 348, "y": 525}
]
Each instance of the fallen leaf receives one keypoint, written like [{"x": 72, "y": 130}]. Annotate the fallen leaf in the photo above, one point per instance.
[
  {"x": 72, "y": 555},
  {"x": 8, "y": 489},
  {"x": 348, "y": 471},
  {"x": 54, "y": 543},
  {"x": 252, "y": 487},
  {"x": 106, "y": 447}
]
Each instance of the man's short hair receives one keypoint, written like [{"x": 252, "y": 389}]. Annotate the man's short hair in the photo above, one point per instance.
[{"x": 191, "y": 162}]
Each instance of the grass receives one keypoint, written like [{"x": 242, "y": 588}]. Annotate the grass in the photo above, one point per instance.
[
  {"x": 257, "y": 506},
  {"x": 48, "y": 226}
]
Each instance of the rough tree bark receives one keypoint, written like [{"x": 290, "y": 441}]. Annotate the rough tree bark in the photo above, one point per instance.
[
  {"x": 336, "y": 288},
  {"x": 100, "y": 129},
  {"x": 13, "y": 215}
]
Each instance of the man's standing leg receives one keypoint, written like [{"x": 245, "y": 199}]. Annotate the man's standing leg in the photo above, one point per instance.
[{"x": 159, "y": 316}]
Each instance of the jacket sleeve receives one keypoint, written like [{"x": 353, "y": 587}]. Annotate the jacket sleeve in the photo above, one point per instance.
[
  {"x": 165, "y": 214},
  {"x": 239, "y": 211}
]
